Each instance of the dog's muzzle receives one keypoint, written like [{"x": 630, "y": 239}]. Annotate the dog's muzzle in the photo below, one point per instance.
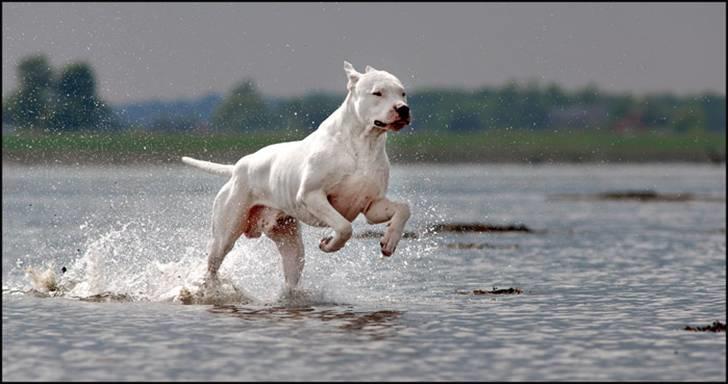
[{"x": 393, "y": 126}]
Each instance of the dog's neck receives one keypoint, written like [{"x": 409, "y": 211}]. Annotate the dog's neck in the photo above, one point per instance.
[{"x": 365, "y": 138}]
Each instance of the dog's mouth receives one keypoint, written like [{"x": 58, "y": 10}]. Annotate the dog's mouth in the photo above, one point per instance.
[{"x": 395, "y": 125}]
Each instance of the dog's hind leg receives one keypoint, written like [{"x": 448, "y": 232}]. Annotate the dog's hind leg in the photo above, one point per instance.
[
  {"x": 286, "y": 234},
  {"x": 229, "y": 215}
]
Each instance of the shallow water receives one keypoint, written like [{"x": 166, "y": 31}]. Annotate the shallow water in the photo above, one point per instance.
[{"x": 608, "y": 286}]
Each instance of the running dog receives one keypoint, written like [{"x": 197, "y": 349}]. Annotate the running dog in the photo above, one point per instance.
[{"x": 327, "y": 179}]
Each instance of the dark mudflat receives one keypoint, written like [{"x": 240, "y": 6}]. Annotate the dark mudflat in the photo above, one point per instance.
[
  {"x": 369, "y": 234},
  {"x": 481, "y": 246},
  {"x": 495, "y": 291},
  {"x": 454, "y": 228},
  {"x": 638, "y": 195},
  {"x": 479, "y": 227},
  {"x": 645, "y": 196},
  {"x": 717, "y": 326}
]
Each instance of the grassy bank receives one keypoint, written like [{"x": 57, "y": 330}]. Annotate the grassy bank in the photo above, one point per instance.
[{"x": 490, "y": 146}]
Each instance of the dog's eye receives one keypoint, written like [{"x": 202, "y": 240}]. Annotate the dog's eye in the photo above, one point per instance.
[
  {"x": 404, "y": 94},
  {"x": 377, "y": 93}
]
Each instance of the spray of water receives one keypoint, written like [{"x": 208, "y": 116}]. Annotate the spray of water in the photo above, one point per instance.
[
  {"x": 161, "y": 257},
  {"x": 147, "y": 260}
]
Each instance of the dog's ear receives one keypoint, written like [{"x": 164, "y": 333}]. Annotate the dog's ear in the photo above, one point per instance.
[
  {"x": 352, "y": 74},
  {"x": 369, "y": 68}
]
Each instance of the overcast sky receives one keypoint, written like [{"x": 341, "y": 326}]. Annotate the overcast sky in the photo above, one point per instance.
[{"x": 143, "y": 51}]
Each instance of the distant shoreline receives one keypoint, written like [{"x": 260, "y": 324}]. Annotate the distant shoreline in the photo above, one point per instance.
[{"x": 425, "y": 147}]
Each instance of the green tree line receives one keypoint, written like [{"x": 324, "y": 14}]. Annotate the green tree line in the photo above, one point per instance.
[
  {"x": 56, "y": 100},
  {"x": 67, "y": 100},
  {"x": 513, "y": 106}
]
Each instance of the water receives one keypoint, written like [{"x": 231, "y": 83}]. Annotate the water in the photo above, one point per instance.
[{"x": 608, "y": 286}]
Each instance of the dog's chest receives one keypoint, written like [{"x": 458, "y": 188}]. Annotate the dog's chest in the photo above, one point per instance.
[{"x": 355, "y": 192}]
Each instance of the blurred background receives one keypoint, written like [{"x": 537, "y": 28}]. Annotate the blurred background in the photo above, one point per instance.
[
  {"x": 487, "y": 82},
  {"x": 571, "y": 155}
]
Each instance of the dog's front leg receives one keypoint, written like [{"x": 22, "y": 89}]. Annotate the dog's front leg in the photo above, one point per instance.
[
  {"x": 287, "y": 236},
  {"x": 318, "y": 205},
  {"x": 383, "y": 210}
]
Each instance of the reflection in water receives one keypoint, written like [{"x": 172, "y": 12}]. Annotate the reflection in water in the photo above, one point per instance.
[
  {"x": 376, "y": 324},
  {"x": 107, "y": 297}
]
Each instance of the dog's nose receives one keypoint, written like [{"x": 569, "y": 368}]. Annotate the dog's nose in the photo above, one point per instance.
[{"x": 402, "y": 111}]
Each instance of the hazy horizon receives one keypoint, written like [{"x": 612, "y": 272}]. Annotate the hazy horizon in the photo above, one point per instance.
[{"x": 145, "y": 51}]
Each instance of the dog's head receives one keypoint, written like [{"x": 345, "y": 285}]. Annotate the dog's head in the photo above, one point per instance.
[{"x": 379, "y": 98}]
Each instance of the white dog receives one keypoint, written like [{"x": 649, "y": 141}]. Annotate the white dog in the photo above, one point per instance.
[{"x": 325, "y": 180}]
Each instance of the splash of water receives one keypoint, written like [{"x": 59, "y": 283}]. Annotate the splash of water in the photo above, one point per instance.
[
  {"x": 150, "y": 258},
  {"x": 139, "y": 263}
]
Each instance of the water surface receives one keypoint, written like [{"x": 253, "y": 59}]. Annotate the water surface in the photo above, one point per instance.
[{"x": 608, "y": 286}]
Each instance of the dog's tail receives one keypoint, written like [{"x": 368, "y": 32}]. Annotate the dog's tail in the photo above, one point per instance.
[{"x": 218, "y": 169}]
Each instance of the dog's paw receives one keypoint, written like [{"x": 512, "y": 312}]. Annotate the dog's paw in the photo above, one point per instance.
[
  {"x": 327, "y": 244},
  {"x": 388, "y": 243},
  {"x": 387, "y": 251}
]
